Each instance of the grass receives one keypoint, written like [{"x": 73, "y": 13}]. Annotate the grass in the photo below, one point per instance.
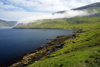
[
  {"x": 82, "y": 51},
  {"x": 73, "y": 59}
]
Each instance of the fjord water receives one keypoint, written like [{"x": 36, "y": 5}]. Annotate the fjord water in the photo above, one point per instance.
[{"x": 16, "y": 42}]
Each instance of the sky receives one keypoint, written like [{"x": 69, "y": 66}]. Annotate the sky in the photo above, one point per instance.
[{"x": 14, "y": 10}]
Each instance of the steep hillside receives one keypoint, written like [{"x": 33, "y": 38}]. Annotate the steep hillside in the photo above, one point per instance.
[{"x": 4, "y": 23}]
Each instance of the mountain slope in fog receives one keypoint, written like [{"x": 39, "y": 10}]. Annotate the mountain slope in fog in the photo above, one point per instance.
[
  {"x": 64, "y": 22},
  {"x": 89, "y": 7},
  {"x": 4, "y": 23}
]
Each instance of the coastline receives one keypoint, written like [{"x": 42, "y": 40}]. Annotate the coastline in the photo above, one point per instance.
[
  {"x": 77, "y": 30},
  {"x": 40, "y": 52},
  {"x": 43, "y": 28}
]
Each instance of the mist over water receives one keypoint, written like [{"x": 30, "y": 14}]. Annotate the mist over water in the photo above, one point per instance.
[{"x": 66, "y": 14}]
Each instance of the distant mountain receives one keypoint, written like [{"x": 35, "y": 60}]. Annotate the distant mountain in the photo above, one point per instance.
[
  {"x": 89, "y": 7},
  {"x": 4, "y": 23}
]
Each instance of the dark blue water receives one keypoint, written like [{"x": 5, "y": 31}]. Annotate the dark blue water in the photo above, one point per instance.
[{"x": 15, "y": 42}]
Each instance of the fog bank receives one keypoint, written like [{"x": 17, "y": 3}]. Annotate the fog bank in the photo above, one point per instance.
[{"x": 67, "y": 14}]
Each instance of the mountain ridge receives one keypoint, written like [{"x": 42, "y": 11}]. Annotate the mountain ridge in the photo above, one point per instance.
[{"x": 89, "y": 7}]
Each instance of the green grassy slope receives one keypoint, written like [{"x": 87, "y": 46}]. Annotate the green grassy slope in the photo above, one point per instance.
[{"x": 84, "y": 50}]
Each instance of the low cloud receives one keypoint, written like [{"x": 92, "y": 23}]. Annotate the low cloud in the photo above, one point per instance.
[{"x": 67, "y": 14}]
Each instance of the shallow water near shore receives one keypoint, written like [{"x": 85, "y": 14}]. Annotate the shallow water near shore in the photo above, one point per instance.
[{"x": 16, "y": 42}]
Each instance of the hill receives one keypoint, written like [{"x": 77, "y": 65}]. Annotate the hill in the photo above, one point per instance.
[
  {"x": 89, "y": 7},
  {"x": 4, "y": 23},
  {"x": 59, "y": 23},
  {"x": 81, "y": 51}
]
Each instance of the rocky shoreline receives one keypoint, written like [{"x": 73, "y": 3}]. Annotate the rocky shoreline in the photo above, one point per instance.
[{"x": 42, "y": 51}]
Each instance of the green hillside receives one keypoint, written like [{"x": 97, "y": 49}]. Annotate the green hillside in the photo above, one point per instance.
[
  {"x": 81, "y": 51},
  {"x": 72, "y": 23},
  {"x": 90, "y": 7},
  {"x": 84, "y": 50},
  {"x": 62, "y": 23}
]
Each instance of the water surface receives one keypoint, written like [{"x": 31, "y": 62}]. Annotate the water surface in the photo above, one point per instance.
[{"x": 16, "y": 42}]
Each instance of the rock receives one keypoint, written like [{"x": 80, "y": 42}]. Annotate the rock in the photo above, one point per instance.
[
  {"x": 73, "y": 35},
  {"x": 59, "y": 46},
  {"x": 79, "y": 30},
  {"x": 62, "y": 45}
]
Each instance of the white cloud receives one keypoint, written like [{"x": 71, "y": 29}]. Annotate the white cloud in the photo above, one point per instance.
[
  {"x": 77, "y": 3},
  {"x": 11, "y": 15},
  {"x": 40, "y": 5},
  {"x": 24, "y": 2},
  {"x": 17, "y": 9},
  {"x": 95, "y": 1},
  {"x": 10, "y": 7},
  {"x": 50, "y": 5},
  {"x": 67, "y": 14}
]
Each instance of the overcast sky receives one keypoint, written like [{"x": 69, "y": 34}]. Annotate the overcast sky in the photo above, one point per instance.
[{"x": 18, "y": 9}]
